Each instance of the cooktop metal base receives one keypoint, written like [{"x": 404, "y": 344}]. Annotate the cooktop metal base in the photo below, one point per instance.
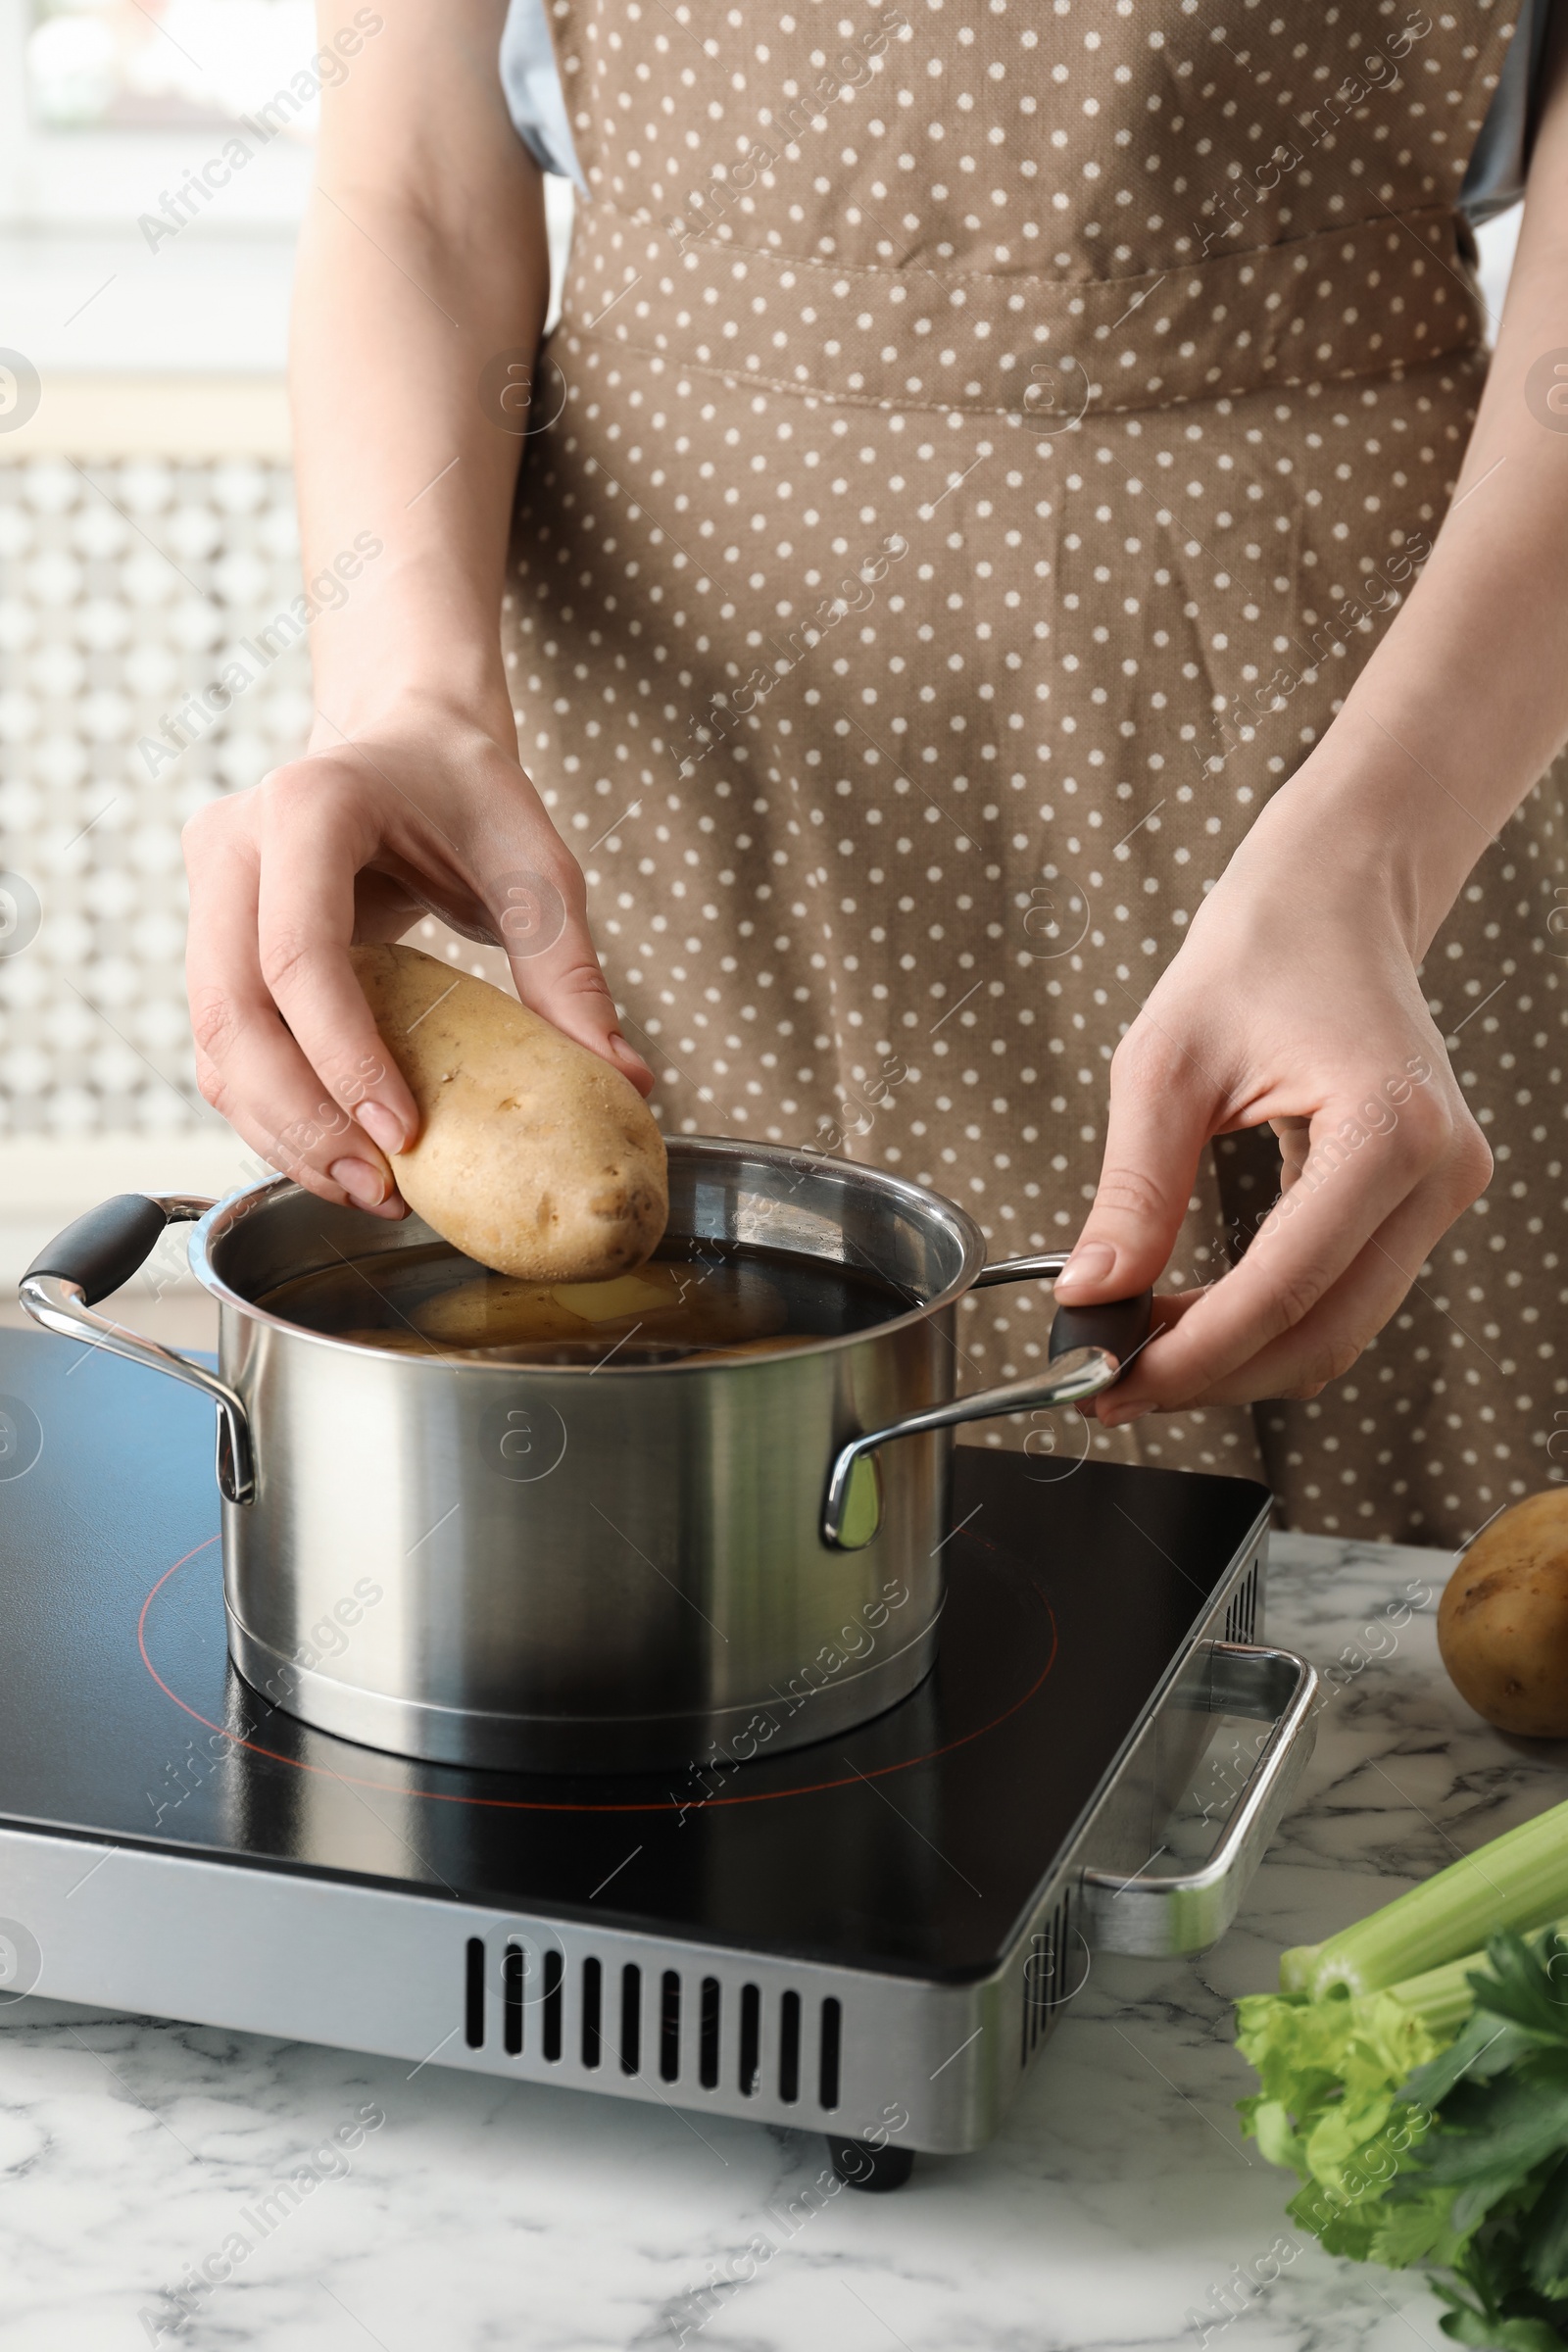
[{"x": 871, "y": 1935}]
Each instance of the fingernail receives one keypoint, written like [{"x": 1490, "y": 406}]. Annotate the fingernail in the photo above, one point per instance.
[
  {"x": 364, "y": 1186},
  {"x": 381, "y": 1125},
  {"x": 1121, "y": 1416},
  {"x": 626, "y": 1052},
  {"x": 1091, "y": 1261}
]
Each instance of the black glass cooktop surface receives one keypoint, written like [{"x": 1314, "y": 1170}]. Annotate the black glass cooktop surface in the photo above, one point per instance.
[{"x": 912, "y": 1845}]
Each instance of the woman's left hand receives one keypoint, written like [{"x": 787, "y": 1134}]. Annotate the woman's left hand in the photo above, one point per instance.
[{"x": 1295, "y": 1001}]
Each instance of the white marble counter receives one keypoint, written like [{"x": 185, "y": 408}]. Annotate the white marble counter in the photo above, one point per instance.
[{"x": 1117, "y": 2199}]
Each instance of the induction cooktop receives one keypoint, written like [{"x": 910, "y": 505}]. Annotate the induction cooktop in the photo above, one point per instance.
[{"x": 885, "y": 1923}]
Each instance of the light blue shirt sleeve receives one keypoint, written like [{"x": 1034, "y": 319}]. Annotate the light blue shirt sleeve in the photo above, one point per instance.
[
  {"x": 535, "y": 99},
  {"x": 1496, "y": 177}
]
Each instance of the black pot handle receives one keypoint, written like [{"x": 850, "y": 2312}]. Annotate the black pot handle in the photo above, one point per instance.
[
  {"x": 102, "y": 1250},
  {"x": 94, "y": 1256},
  {"x": 1121, "y": 1327}
]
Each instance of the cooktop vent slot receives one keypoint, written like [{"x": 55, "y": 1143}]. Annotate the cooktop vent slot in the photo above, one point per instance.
[
  {"x": 828, "y": 2083},
  {"x": 513, "y": 1972},
  {"x": 789, "y": 2049},
  {"x": 1241, "y": 1617},
  {"x": 552, "y": 2005},
  {"x": 631, "y": 2018},
  {"x": 1046, "y": 1983},
  {"x": 593, "y": 1993},
  {"x": 751, "y": 2072},
  {"x": 669, "y": 2026},
  {"x": 473, "y": 1993},
  {"x": 708, "y": 2042}
]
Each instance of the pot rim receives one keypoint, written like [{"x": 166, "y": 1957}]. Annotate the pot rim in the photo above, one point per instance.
[{"x": 925, "y": 1204}]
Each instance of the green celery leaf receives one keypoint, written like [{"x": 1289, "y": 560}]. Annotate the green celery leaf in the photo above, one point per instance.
[
  {"x": 1294, "y": 2046},
  {"x": 1508, "y": 2125},
  {"x": 1330, "y": 2071},
  {"x": 1476, "y": 2197},
  {"x": 1487, "y": 2322},
  {"x": 1545, "y": 2236},
  {"x": 1351, "y": 2151},
  {"x": 1467, "y": 2327},
  {"x": 1487, "y": 2046},
  {"x": 1481, "y": 2301},
  {"x": 1519, "y": 1986},
  {"x": 1269, "y": 2123},
  {"x": 1410, "y": 2228},
  {"x": 1330, "y": 2109},
  {"x": 1347, "y": 2229}
]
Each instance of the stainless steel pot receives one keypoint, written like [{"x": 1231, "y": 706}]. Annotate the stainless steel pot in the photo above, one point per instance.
[{"x": 610, "y": 1567}]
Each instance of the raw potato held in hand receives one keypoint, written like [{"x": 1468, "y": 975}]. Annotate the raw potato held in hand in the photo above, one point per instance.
[
  {"x": 533, "y": 1155},
  {"x": 1502, "y": 1624}
]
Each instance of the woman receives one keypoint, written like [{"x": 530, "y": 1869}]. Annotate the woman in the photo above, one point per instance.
[{"x": 1024, "y": 588}]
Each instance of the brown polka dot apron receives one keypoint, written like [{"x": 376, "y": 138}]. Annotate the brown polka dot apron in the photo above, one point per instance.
[{"x": 987, "y": 439}]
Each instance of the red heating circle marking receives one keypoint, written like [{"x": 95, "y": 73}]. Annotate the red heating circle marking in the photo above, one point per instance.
[{"x": 518, "y": 1804}]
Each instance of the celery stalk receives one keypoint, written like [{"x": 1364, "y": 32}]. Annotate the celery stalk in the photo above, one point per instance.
[
  {"x": 1442, "y": 1997},
  {"x": 1519, "y": 1880}
]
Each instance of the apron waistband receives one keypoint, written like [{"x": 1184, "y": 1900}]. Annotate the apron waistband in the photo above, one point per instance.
[{"x": 1377, "y": 295}]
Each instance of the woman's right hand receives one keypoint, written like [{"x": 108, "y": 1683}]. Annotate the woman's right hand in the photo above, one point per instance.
[{"x": 422, "y": 812}]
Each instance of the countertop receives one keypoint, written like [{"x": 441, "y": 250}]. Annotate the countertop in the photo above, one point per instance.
[{"x": 1116, "y": 2209}]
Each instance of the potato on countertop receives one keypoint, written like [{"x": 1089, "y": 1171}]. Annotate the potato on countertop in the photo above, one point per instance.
[
  {"x": 534, "y": 1155},
  {"x": 1502, "y": 1623}
]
